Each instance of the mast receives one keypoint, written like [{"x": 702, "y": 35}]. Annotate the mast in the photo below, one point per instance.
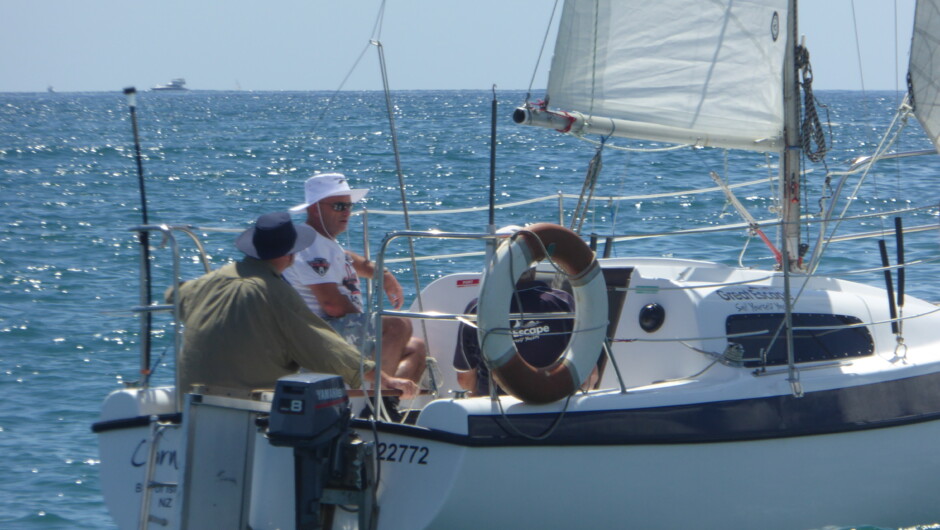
[
  {"x": 790, "y": 158},
  {"x": 790, "y": 184}
]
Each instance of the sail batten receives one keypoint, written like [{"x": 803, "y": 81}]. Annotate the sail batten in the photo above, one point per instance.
[
  {"x": 924, "y": 69},
  {"x": 715, "y": 73}
]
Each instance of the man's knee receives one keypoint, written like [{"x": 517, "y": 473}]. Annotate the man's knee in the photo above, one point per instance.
[
  {"x": 396, "y": 326},
  {"x": 417, "y": 346}
]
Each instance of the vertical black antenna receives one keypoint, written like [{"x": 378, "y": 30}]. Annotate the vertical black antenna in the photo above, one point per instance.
[
  {"x": 899, "y": 237},
  {"x": 892, "y": 309},
  {"x": 493, "y": 161},
  {"x": 144, "y": 238}
]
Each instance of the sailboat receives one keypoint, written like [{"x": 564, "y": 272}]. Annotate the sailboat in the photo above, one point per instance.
[{"x": 728, "y": 397}]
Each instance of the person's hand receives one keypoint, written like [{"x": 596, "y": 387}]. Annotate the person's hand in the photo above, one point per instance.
[
  {"x": 393, "y": 290},
  {"x": 408, "y": 388}
]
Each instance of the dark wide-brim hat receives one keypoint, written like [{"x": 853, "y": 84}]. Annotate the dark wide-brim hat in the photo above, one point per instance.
[{"x": 274, "y": 235}]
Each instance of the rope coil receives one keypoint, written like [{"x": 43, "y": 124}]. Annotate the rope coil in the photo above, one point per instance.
[{"x": 811, "y": 129}]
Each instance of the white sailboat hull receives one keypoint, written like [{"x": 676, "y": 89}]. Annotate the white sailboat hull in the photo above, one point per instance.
[
  {"x": 687, "y": 441},
  {"x": 878, "y": 477},
  {"x": 881, "y": 477}
]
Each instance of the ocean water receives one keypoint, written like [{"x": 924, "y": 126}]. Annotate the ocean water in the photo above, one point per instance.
[{"x": 69, "y": 191}]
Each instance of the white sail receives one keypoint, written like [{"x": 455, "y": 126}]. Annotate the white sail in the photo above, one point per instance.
[
  {"x": 924, "y": 67},
  {"x": 707, "y": 73}
]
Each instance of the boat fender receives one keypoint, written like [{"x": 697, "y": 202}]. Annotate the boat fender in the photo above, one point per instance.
[{"x": 515, "y": 256}]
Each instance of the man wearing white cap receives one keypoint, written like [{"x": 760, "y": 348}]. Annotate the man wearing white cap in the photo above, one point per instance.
[
  {"x": 327, "y": 277},
  {"x": 245, "y": 327}
]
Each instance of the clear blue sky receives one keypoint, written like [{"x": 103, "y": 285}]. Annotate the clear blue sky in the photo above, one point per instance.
[{"x": 103, "y": 45}]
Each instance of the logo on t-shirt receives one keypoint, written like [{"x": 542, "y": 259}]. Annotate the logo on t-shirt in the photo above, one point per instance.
[
  {"x": 319, "y": 266},
  {"x": 530, "y": 330}
]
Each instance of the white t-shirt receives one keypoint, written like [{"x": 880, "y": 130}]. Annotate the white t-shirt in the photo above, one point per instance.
[{"x": 324, "y": 261}]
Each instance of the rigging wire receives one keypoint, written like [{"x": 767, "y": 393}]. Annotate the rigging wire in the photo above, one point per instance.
[
  {"x": 375, "y": 36},
  {"x": 587, "y": 189},
  {"x": 398, "y": 169},
  {"x": 557, "y": 196},
  {"x": 899, "y": 104},
  {"x": 538, "y": 60},
  {"x": 881, "y": 149},
  {"x": 332, "y": 98},
  {"x": 615, "y": 205},
  {"x": 887, "y": 141},
  {"x": 897, "y": 91},
  {"x": 581, "y": 136},
  {"x": 858, "y": 53},
  {"x": 379, "y": 22},
  {"x": 594, "y": 61},
  {"x": 390, "y": 110}
]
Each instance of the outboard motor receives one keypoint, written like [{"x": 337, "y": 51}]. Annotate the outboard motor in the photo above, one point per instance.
[{"x": 311, "y": 413}]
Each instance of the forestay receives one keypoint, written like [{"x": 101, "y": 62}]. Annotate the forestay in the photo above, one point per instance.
[
  {"x": 705, "y": 73},
  {"x": 925, "y": 67}
]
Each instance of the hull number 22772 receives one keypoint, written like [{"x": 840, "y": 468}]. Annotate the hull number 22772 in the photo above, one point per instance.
[{"x": 407, "y": 454}]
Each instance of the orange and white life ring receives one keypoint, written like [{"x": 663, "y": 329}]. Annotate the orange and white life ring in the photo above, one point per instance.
[{"x": 515, "y": 256}]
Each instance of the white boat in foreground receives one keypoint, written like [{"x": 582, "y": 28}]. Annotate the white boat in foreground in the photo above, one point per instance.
[{"x": 728, "y": 397}]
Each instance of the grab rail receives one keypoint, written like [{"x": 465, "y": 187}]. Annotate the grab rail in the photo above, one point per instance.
[{"x": 168, "y": 238}]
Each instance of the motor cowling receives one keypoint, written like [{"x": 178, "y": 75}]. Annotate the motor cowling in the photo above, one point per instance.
[
  {"x": 311, "y": 413},
  {"x": 308, "y": 410}
]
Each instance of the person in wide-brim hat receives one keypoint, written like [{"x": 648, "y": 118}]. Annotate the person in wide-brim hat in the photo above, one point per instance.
[
  {"x": 327, "y": 276},
  {"x": 275, "y": 236},
  {"x": 244, "y": 326},
  {"x": 323, "y": 185}
]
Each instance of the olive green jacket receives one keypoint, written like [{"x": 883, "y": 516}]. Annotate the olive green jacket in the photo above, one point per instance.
[{"x": 245, "y": 326}]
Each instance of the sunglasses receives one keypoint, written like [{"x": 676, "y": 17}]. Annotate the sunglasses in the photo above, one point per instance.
[{"x": 341, "y": 206}]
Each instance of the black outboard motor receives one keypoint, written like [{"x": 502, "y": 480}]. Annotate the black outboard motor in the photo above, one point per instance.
[{"x": 311, "y": 413}]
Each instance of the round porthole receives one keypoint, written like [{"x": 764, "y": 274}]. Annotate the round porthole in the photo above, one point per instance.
[{"x": 652, "y": 317}]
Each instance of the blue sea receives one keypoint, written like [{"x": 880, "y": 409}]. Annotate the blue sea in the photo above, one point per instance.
[{"x": 69, "y": 191}]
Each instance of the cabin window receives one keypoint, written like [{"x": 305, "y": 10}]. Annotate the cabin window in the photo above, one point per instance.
[{"x": 809, "y": 345}]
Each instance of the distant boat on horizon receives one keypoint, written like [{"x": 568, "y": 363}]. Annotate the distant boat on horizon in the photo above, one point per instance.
[{"x": 178, "y": 84}]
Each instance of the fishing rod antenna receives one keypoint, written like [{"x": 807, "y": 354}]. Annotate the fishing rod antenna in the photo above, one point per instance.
[{"x": 144, "y": 238}]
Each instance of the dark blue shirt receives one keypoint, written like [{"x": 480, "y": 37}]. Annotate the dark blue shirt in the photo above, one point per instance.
[{"x": 539, "y": 342}]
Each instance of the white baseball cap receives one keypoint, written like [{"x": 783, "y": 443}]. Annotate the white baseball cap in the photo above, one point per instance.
[{"x": 323, "y": 185}]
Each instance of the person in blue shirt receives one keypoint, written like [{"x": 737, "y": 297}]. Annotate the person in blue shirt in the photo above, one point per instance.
[{"x": 539, "y": 341}]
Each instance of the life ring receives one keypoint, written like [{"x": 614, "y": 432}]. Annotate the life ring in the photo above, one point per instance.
[{"x": 515, "y": 256}]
